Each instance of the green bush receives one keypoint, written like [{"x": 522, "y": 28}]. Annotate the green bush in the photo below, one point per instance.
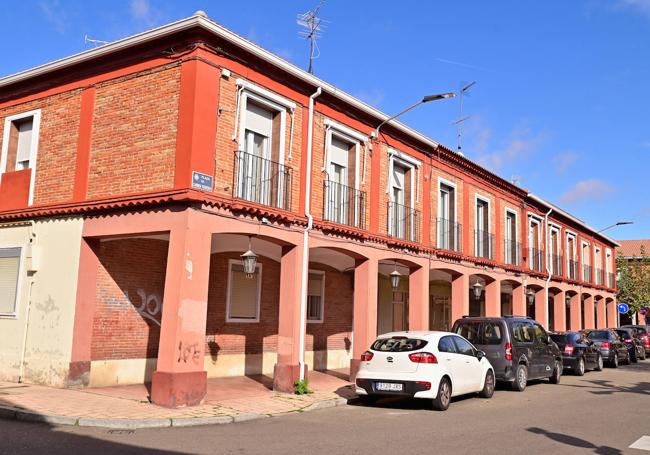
[{"x": 301, "y": 387}]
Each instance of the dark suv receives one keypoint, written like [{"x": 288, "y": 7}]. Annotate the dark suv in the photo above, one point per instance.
[{"x": 518, "y": 348}]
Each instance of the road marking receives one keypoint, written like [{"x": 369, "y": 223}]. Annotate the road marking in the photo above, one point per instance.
[{"x": 643, "y": 443}]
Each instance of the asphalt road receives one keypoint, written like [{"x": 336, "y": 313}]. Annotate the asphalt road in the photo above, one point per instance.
[{"x": 602, "y": 413}]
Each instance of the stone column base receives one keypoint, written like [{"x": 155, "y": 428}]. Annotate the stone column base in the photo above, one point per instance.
[
  {"x": 355, "y": 364},
  {"x": 174, "y": 390},
  {"x": 284, "y": 377},
  {"x": 78, "y": 374}
]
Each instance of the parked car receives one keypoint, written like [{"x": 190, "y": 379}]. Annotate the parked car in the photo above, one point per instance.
[
  {"x": 426, "y": 365},
  {"x": 518, "y": 348},
  {"x": 578, "y": 352},
  {"x": 642, "y": 332},
  {"x": 611, "y": 347},
  {"x": 634, "y": 344}
]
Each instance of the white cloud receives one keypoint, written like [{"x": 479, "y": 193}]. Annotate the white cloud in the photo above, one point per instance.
[
  {"x": 563, "y": 161},
  {"x": 643, "y": 6},
  {"x": 521, "y": 145},
  {"x": 55, "y": 15},
  {"x": 144, "y": 12},
  {"x": 591, "y": 189}
]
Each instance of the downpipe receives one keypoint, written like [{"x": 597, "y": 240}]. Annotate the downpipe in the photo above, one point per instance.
[
  {"x": 548, "y": 269},
  {"x": 305, "y": 242}
]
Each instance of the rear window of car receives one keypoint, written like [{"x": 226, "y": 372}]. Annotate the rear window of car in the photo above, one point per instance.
[
  {"x": 480, "y": 332},
  {"x": 523, "y": 332},
  {"x": 640, "y": 331},
  {"x": 598, "y": 335},
  {"x": 560, "y": 338},
  {"x": 398, "y": 344}
]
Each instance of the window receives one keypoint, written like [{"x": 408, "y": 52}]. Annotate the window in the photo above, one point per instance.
[
  {"x": 446, "y": 344},
  {"x": 491, "y": 333},
  {"x": 243, "y": 293},
  {"x": 470, "y": 331},
  {"x": 448, "y": 231},
  {"x": 20, "y": 145},
  {"x": 523, "y": 332},
  {"x": 540, "y": 334},
  {"x": 398, "y": 344},
  {"x": 571, "y": 256},
  {"x": 463, "y": 347},
  {"x": 9, "y": 278},
  {"x": 402, "y": 189},
  {"x": 483, "y": 243},
  {"x": 315, "y": 296},
  {"x": 554, "y": 253},
  {"x": 511, "y": 256},
  {"x": 534, "y": 243}
]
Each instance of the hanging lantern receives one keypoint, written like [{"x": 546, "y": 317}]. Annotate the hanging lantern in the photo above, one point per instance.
[
  {"x": 394, "y": 278},
  {"x": 530, "y": 297},
  {"x": 478, "y": 289},
  {"x": 567, "y": 301},
  {"x": 250, "y": 261}
]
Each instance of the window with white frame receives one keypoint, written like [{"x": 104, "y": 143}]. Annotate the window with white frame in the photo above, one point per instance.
[
  {"x": 9, "y": 280},
  {"x": 262, "y": 176},
  {"x": 608, "y": 268},
  {"x": 586, "y": 262},
  {"x": 402, "y": 194},
  {"x": 598, "y": 264},
  {"x": 554, "y": 250},
  {"x": 482, "y": 237},
  {"x": 535, "y": 243},
  {"x": 511, "y": 249},
  {"x": 315, "y": 296},
  {"x": 20, "y": 145},
  {"x": 343, "y": 200},
  {"x": 571, "y": 255},
  {"x": 448, "y": 231},
  {"x": 243, "y": 293}
]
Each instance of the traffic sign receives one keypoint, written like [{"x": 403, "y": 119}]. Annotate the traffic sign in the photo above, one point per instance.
[{"x": 623, "y": 308}]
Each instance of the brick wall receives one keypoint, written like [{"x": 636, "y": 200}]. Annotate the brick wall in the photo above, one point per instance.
[
  {"x": 134, "y": 134},
  {"x": 130, "y": 286},
  {"x": 57, "y": 148}
]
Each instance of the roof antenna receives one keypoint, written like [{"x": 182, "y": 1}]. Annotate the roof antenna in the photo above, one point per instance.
[
  {"x": 461, "y": 119},
  {"x": 94, "y": 42},
  {"x": 314, "y": 27}
]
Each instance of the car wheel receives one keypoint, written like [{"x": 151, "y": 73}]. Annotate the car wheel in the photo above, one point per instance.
[
  {"x": 442, "y": 400},
  {"x": 615, "y": 361},
  {"x": 580, "y": 368},
  {"x": 521, "y": 378},
  {"x": 634, "y": 358},
  {"x": 488, "y": 385},
  {"x": 599, "y": 363},
  {"x": 368, "y": 400},
  {"x": 627, "y": 358},
  {"x": 557, "y": 373}
]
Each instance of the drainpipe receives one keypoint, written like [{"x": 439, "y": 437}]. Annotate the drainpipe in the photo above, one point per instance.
[
  {"x": 548, "y": 270},
  {"x": 23, "y": 350},
  {"x": 305, "y": 243}
]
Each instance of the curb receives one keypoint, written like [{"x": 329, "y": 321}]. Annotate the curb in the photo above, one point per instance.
[{"x": 11, "y": 413}]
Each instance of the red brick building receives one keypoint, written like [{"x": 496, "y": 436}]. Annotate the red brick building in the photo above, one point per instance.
[{"x": 166, "y": 155}]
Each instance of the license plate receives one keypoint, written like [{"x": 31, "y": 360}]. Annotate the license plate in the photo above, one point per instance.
[{"x": 389, "y": 387}]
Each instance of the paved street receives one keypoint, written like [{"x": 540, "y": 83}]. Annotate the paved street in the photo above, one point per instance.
[{"x": 601, "y": 413}]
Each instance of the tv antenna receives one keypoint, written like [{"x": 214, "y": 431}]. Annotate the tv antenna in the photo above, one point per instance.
[
  {"x": 94, "y": 42},
  {"x": 314, "y": 27},
  {"x": 461, "y": 119}
]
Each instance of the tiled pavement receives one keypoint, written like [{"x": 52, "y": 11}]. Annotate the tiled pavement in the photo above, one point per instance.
[{"x": 246, "y": 397}]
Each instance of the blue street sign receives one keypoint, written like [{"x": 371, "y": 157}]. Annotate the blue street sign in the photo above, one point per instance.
[
  {"x": 201, "y": 181},
  {"x": 623, "y": 308}
]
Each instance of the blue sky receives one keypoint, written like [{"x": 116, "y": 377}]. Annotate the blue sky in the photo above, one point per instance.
[{"x": 562, "y": 102}]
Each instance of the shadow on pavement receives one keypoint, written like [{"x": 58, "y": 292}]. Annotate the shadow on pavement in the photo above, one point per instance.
[{"x": 574, "y": 442}]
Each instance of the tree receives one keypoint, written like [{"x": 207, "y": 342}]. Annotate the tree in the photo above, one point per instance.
[{"x": 633, "y": 280}]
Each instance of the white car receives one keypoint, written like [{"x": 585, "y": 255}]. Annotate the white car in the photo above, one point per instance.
[{"x": 430, "y": 365}]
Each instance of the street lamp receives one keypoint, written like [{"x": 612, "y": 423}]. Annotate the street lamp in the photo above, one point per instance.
[
  {"x": 567, "y": 301},
  {"x": 394, "y": 278},
  {"x": 477, "y": 288},
  {"x": 250, "y": 260},
  {"x": 620, "y": 223},
  {"x": 530, "y": 297},
  {"x": 426, "y": 99}
]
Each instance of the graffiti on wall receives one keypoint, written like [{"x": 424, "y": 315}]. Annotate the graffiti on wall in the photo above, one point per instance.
[
  {"x": 189, "y": 352},
  {"x": 149, "y": 306}
]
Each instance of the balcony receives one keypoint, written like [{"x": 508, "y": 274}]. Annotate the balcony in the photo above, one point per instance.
[
  {"x": 403, "y": 222},
  {"x": 611, "y": 280},
  {"x": 556, "y": 265},
  {"x": 344, "y": 204},
  {"x": 512, "y": 252},
  {"x": 573, "y": 270},
  {"x": 535, "y": 259},
  {"x": 600, "y": 276},
  {"x": 263, "y": 181},
  {"x": 449, "y": 235},
  {"x": 483, "y": 244},
  {"x": 586, "y": 273}
]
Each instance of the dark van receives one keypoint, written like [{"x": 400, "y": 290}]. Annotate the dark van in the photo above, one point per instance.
[{"x": 518, "y": 348}]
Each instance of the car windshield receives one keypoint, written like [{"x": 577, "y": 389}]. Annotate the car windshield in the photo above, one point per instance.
[
  {"x": 398, "y": 344},
  {"x": 599, "y": 335}
]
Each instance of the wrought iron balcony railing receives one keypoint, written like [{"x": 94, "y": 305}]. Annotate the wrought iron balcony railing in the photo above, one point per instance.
[
  {"x": 403, "y": 222},
  {"x": 262, "y": 181},
  {"x": 556, "y": 265},
  {"x": 449, "y": 235},
  {"x": 600, "y": 276},
  {"x": 344, "y": 204},
  {"x": 586, "y": 273},
  {"x": 573, "y": 270},
  {"x": 483, "y": 244},
  {"x": 536, "y": 259},
  {"x": 512, "y": 252},
  {"x": 611, "y": 280}
]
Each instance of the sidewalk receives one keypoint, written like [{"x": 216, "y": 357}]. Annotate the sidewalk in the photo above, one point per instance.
[{"x": 227, "y": 400}]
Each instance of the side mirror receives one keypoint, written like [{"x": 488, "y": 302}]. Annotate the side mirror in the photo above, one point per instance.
[{"x": 480, "y": 355}]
